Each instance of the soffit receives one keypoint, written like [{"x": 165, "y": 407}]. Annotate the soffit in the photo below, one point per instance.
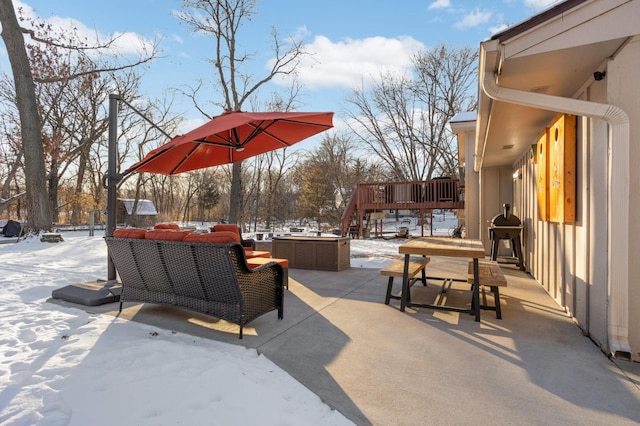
[{"x": 559, "y": 60}]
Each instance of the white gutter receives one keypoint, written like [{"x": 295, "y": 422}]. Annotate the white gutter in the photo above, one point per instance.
[{"x": 618, "y": 199}]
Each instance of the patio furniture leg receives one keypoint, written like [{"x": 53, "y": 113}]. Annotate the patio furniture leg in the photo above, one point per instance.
[
  {"x": 405, "y": 284},
  {"x": 389, "y": 287},
  {"x": 475, "y": 304},
  {"x": 496, "y": 296},
  {"x": 424, "y": 276}
]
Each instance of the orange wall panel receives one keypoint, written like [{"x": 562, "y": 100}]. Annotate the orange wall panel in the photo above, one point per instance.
[
  {"x": 562, "y": 169},
  {"x": 542, "y": 177}
]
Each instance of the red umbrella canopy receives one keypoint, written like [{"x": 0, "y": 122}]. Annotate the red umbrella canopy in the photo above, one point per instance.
[{"x": 231, "y": 137}]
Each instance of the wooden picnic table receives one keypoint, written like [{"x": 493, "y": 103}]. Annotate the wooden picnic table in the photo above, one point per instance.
[{"x": 450, "y": 247}]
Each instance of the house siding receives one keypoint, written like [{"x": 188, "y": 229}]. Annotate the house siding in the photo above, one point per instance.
[
  {"x": 623, "y": 90},
  {"x": 571, "y": 260},
  {"x": 497, "y": 189}
]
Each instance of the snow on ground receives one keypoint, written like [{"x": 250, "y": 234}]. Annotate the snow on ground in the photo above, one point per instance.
[{"x": 63, "y": 366}]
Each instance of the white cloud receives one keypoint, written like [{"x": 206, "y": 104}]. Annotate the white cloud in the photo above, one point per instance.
[
  {"x": 473, "y": 19},
  {"x": 440, "y": 4},
  {"x": 301, "y": 32},
  {"x": 350, "y": 63},
  {"x": 126, "y": 43}
]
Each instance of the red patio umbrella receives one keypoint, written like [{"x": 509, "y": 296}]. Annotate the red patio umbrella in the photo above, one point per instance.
[{"x": 231, "y": 137}]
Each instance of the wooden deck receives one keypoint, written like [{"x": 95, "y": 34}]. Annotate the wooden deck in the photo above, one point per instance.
[{"x": 422, "y": 196}]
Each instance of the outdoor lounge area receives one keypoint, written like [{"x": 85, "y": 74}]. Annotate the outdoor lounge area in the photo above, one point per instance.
[
  {"x": 378, "y": 365},
  {"x": 506, "y": 131}
]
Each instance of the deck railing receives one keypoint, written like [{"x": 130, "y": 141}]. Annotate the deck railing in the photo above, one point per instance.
[
  {"x": 432, "y": 194},
  {"x": 416, "y": 195}
]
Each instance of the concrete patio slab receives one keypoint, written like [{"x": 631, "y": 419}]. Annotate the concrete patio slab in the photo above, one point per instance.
[{"x": 380, "y": 366}]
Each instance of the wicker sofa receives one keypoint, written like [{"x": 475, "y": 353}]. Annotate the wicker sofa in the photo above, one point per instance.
[{"x": 209, "y": 278}]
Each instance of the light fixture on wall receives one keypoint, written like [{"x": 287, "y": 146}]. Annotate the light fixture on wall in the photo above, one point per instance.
[{"x": 517, "y": 175}]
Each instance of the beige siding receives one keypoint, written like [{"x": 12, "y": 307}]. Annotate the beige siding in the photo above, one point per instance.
[
  {"x": 623, "y": 90},
  {"x": 571, "y": 260},
  {"x": 583, "y": 240},
  {"x": 496, "y": 186},
  {"x": 598, "y": 192},
  {"x": 472, "y": 193}
]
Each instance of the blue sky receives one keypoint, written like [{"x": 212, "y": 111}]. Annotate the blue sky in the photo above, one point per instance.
[{"x": 351, "y": 40}]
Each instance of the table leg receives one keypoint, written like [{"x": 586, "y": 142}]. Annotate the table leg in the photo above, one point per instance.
[
  {"x": 405, "y": 284},
  {"x": 475, "y": 303}
]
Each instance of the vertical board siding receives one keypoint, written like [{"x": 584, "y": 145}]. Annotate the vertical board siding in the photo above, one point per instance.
[
  {"x": 569, "y": 260},
  {"x": 597, "y": 307},
  {"x": 582, "y": 237}
]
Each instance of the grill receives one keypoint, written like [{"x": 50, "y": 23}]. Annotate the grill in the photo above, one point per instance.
[{"x": 506, "y": 226}]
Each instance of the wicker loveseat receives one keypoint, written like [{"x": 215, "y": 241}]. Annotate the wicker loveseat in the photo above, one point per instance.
[{"x": 209, "y": 278}]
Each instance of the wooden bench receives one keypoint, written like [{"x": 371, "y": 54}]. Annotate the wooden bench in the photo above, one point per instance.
[
  {"x": 490, "y": 275},
  {"x": 396, "y": 269}
]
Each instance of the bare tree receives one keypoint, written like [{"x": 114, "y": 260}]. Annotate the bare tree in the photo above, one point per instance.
[
  {"x": 278, "y": 165},
  {"x": 38, "y": 209},
  {"x": 268, "y": 170},
  {"x": 404, "y": 119},
  {"x": 223, "y": 20},
  {"x": 35, "y": 179},
  {"x": 316, "y": 192},
  {"x": 337, "y": 152},
  {"x": 11, "y": 164},
  {"x": 326, "y": 193},
  {"x": 445, "y": 83}
]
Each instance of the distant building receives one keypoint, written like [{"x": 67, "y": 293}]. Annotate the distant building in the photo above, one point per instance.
[{"x": 145, "y": 213}]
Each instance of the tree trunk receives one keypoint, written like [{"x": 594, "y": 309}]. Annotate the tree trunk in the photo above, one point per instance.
[
  {"x": 236, "y": 191},
  {"x": 53, "y": 183},
  {"x": 11, "y": 176},
  {"x": 76, "y": 212},
  {"x": 39, "y": 218}
]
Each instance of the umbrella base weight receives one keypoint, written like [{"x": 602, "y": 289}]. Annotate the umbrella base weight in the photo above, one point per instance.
[{"x": 89, "y": 294}]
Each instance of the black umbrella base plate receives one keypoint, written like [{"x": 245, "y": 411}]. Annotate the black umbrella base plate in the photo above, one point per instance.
[{"x": 89, "y": 294}]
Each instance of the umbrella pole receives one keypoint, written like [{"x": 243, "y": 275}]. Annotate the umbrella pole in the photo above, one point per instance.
[
  {"x": 100, "y": 291},
  {"x": 112, "y": 179}
]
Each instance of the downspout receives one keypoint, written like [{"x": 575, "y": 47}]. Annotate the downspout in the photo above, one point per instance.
[{"x": 618, "y": 199}]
